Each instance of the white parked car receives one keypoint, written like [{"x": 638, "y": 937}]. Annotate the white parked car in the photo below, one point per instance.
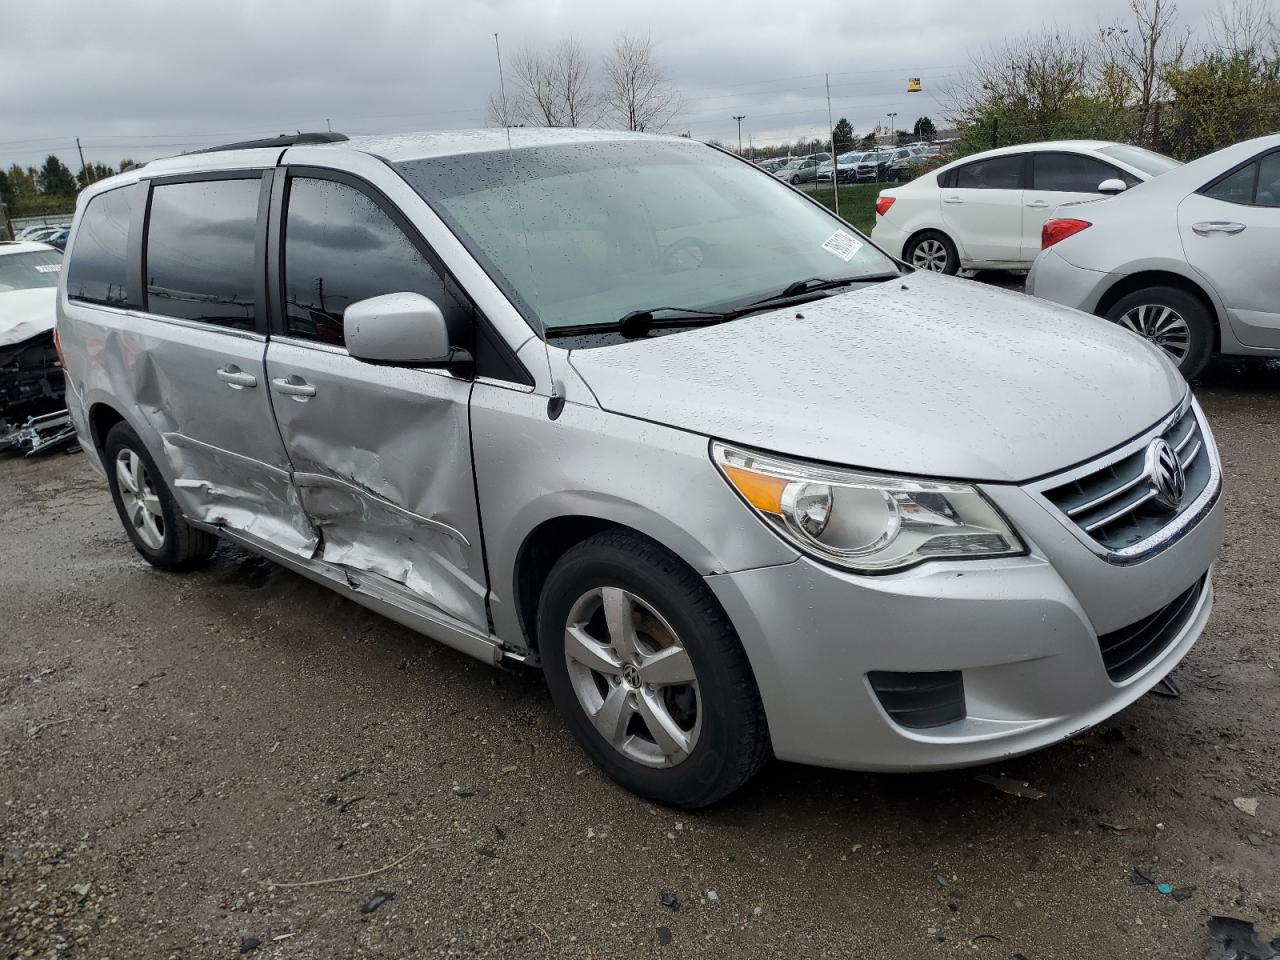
[
  {"x": 1190, "y": 262},
  {"x": 985, "y": 211}
]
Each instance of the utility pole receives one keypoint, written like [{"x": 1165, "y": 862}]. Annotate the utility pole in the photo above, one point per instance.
[
  {"x": 81, "y": 149},
  {"x": 835, "y": 174},
  {"x": 739, "y": 117},
  {"x": 893, "y": 134},
  {"x": 328, "y": 124}
]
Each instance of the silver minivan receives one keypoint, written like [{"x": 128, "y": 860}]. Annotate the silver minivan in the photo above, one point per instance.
[{"x": 628, "y": 409}]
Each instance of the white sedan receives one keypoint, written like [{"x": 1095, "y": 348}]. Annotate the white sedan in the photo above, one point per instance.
[{"x": 985, "y": 211}]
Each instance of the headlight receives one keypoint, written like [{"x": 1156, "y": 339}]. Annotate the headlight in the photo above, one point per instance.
[{"x": 871, "y": 523}]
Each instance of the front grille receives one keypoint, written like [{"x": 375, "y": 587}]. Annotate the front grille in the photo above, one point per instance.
[
  {"x": 920, "y": 700},
  {"x": 1126, "y": 651},
  {"x": 1116, "y": 505}
]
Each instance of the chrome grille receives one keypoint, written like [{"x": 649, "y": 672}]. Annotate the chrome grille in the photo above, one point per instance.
[{"x": 1116, "y": 504}]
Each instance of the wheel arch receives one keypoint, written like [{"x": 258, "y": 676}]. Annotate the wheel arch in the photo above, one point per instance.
[
  {"x": 919, "y": 232},
  {"x": 1143, "y": 279}
]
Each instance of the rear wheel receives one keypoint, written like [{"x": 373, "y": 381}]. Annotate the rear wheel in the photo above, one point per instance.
[
  {"x": 933, "y": 251},
  {"x": 147, "y": 510},
  {"x": 1175, "y": 321},
  {"x": 648, "y": 672}
]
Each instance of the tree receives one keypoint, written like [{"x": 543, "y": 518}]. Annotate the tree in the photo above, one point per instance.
[
  {"x": 1137, "y": 58},
  {"x": 92, "y": 173},
  {"x": 868, "y": 141},
  {"x": 1221, "y": 99},
  {"x": 129, "y": 164},
  {"x": 55, "y": 179},
  {"x": 6, "y": 191},
  {"x": 1244, "y": 26},
  {"x": 842, "y": 136},
  {"x": 636, "y": 92},
  {"x": 923, "y": 129},
  {"x": 548, "y": 89}
]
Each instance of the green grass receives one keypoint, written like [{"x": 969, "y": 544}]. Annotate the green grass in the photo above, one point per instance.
[{"x": 857, "y": 202}]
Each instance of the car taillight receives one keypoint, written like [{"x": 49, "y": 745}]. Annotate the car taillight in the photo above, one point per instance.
[
  {"x": 883, "y": 204},
  {"x": 57, "y": 348},
  {"x": 1059, "y": 229}
]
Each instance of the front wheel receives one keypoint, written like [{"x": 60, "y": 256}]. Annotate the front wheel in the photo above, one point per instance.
[
  {"x": 1175, "y": 321},
  {"x": 648, "y": 672},
  {"x": 932, "y": 251}
]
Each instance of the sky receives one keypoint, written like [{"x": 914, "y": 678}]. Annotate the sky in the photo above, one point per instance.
[{"x": 148, "y": 78}]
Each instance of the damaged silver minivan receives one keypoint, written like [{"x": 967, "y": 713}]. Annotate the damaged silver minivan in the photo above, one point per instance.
[{"x": 628, "y": 408}]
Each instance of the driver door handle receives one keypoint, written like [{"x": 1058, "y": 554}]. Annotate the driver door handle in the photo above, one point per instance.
[
  {"x": 236, "y": 378},
  {"x": 1207, "y": 228},
  {"x": 294, "y": 386}
]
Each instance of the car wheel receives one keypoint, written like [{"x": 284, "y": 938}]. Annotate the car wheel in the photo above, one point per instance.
[
  {"x": 147, "y": 510},
  {"x": 795, "y": 179},
  {"x": 932, "y": 251},
  {"x": 648, "y": 672},
  {"x": 1175, "y": 321}
]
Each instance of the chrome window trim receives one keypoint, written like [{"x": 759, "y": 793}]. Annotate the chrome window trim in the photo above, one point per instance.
[
  {"x": 1167, "y": 535},
  {"x": 239, "y": 334}
]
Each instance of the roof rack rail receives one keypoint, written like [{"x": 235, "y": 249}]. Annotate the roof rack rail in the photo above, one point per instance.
[{"x": 284, "y": 140}]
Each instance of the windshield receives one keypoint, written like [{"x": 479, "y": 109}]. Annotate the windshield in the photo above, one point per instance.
[
  {"x": 587, "y": 233},
  {"x": 26, "y": 271},
  {"x": 1148, "y": 161}
]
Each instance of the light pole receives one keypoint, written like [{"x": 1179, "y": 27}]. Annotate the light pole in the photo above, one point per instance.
[
  {"x": 739, "y": 117},
  {"x": 892, "y": 134}
]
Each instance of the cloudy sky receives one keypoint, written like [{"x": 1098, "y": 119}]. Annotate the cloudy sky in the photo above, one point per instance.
[{"x": 147, "y": 78}]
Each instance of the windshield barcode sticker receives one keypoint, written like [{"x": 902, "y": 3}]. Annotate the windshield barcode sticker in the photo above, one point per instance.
[
  {"x": 48, "y": 268},
  {"x": 843, "y": 245}
]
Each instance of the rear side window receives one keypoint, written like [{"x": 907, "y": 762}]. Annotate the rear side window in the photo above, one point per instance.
[
  {"x": 1073, "y": 173},
  {"x": 341, "y": 247},
  {"x": 1268, "y": 192},
  {"x": 997, "y": 173},
  {"x": 200, "y": 251},
  {"x": 98, "y": 266},
  {"x": 1256, "y": 183}
]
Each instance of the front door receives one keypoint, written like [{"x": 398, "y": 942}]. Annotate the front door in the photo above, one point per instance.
[
  {"x": 1231, "y": 234},
  {"x": 381, "y": 455},
  {"x": 197, "y": 356},
  {"x": 982, "y": 209}
]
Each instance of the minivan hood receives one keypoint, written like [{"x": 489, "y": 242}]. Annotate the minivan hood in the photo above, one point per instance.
[
  {"x": 926, "y": 375},
  {"x": 26, "y": 313}
]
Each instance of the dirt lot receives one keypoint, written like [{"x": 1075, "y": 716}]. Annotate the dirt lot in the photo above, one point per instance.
[{"x": 169, "y": 744}]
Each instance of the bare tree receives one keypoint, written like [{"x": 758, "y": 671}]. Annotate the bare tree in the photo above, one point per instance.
[
  {"x": 636, "y": 92},
  {"x": 1244, "y": 27},
  {"x": 548, "y": 89},
  {"x": 1137, "y": 56},
  {"x": 1033, "y": 77},
  {"x": 578, "y": 101}
]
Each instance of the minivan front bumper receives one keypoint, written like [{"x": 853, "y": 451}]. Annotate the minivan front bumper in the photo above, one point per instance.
[{"x": 1023, "y": 633}]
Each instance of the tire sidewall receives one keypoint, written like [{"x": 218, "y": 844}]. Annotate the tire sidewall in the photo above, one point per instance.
[
  {"x": 953, "y": 256},
  {"x": 597, "y": 566},
  {"x": 1199, "y": 323},
  {"x": 122, "y": 437}
]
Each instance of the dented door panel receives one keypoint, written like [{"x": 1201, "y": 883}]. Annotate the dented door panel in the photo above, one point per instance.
[{"x": 382, "y": 462}]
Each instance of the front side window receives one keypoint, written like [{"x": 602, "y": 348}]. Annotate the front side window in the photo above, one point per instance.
[
  {"x": 28, "y": 271},
  {"x": 98, "y": 268},
  {"x": 200, "y": 251},
  {"x": 584, "y": 234},
  {"x": 1073, "y": 173},
  {"x": 995, "y": 173},
  {"x": 340, "y": 247}
]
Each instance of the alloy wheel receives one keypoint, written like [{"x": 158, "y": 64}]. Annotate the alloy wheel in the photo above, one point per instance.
[
  {"x": 141, "y": 504},
  {"x": 633, "y": 677},
  {"x": 929, "y": 254},
  {"x": 1161, "y": 325}
]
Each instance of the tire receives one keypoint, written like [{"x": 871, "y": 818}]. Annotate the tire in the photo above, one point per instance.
[
  {"x": 929, "y": 245},
  {"x": 719, "y": 716},
  {"x": 1174, "y": 320},
  {"x": 169, "y": 544},
  {"x": 795, "y": 180}
]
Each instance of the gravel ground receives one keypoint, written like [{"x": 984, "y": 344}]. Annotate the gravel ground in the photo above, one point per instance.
[{"x": 170, "y": 744}]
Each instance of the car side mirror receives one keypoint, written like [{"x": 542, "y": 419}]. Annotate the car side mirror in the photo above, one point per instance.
[
  {"x": 400, "y": 329},
  {"x": 1113, "y": 186}
]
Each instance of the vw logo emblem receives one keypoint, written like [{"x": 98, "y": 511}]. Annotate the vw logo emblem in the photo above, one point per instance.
[{"x": 1165, "y": 475}]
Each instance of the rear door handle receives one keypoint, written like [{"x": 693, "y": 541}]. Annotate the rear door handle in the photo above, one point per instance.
[
  {"x": 952, "y": 200},
  {"x": 236, "y": 378},
  {"x": 294, "y": 386},
  {"x": 1037, "y": 204},
  {"x": 1207, "y": 228}
]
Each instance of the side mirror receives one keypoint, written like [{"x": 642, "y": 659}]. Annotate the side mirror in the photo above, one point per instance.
[
  {"x": 1113, "y": 186},
  {"x": 400, "y": 329}
]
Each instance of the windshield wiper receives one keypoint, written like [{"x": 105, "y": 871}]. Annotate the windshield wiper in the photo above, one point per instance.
[
  {"x": 638, "y": 323},
  {"x": 817, "y": 284}
]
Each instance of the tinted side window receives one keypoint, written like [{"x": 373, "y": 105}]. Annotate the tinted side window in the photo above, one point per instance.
[
  {"x": 1236, "y": 188},
  {"x": 340, "y": 247},
  {"x": 1268, "y": 194},
  {"x": 199, "y": 257},
  {"x": 998, "y": 173},
  {"x": 1073, "y": 173},
  {"x": 98, "y": 265}
]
